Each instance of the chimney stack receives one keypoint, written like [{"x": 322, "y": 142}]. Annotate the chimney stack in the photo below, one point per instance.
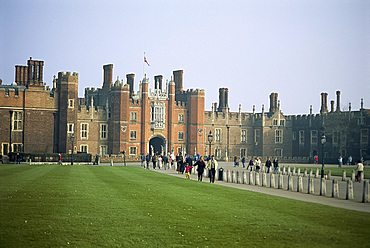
[
  {"x": 130, "y": 81},
  {"x": 177, "y": 75},
  {"x": 332, "y": 106},
  {"x": 273, "y": 102},
  {"x": 223, "y": 99},
  {"x": 108, "y": 76},
  {"x": 324, "y": 103},
  {"x": 338, "y": 101},
  {"x": 158, "y": 82}
]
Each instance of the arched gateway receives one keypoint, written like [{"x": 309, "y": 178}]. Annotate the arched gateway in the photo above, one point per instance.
[{"x": 157, "y": 145}]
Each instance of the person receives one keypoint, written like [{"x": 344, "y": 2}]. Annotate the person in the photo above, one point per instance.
[
  {"x": 316, "y": 159},
  {"x": 268, "y": 165},
  {"x": 172, "y": 158},
  {"x": 200, "y": 168},
  {"x": 236, "y": 163},
  {"x": 165, "y": 161},
  {"x": 360, "y": 169},
  {"x": 212, "y": 165},
  {"x": 60, "y": 159},
  {"x": 189, "y": 161},
  {"x": 258, "y": 164},
  {"x": 276, "y": 165},
  {"x": 340, "y": 161},
  {"x": 154, "y": 160},
  {"x": 160, "y": 162},
  {"x": 243, "y": 161},
  {"x": 349, "y": 161},
  {"x": 147, "y": 158},
  {"x": 96, "y": 159},
  {"x": 18, "y": 158},
  {"x": 251, "y": 164},
  {"x": 188, "y": 168},
  {"x": 143, "y": 160}
]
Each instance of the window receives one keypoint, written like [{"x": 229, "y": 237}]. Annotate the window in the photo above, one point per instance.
[
  {"x": 181, "y": 118},
  {"x": 279, "y": 136},
  {"x": 83, "y": 148},
  {"x": 132, "y": 150},
  {"x": 71, "y": 103},
  {"x": 256, "y": 136},
  {"x": 314, "y": 137},
  {"x": 364, "y": 136},
  {"x": 103, "y": 131},
  {"x": 157, "y": 115},
  {"x": 274, "y": 122},
  {"x": 282, "y": 122},
  {"x": 7, "y": 92},
  {"x": 17, "y": 147},
  {"x": 84, "y": 130},
  {"x": 294, "y": 135},
  {"x": 17, "y": 120},
  {"x": 181, "y": 136},
  {"x": 361, "y": 120},
  {"x": 278, "y": 152},
  {"x": 70, "y": 127},
  {"x": 178, "y": 150},
  {"x": 218, "y": 152},
  {"x": 301, "y": 137},
  {"x": 243, "y": 152},
  {"x": 335, "y": 137},
  {"x": 133, "y": 116},
  {"x": 133, "y": 135},
  {"x": 4, "y": 148},
  {"x": 243, "y": 136},
  {"x": 217, "y": 135},
  {"x": 103, "y": 150}
]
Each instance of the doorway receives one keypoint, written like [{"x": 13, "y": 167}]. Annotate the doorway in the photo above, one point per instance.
[{"x": 157, "y": 146}]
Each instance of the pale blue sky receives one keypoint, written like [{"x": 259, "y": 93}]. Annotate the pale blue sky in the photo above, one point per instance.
[{"x": 253, "y": 47}]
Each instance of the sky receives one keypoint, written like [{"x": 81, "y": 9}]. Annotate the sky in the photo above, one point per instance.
[{"x": 252, "y": 47}]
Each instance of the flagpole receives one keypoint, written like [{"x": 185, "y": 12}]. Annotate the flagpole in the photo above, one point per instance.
[{"x": 144, "y": 65}]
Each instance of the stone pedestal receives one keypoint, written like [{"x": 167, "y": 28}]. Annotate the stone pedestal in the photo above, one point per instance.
[
  {"x": 299, "y": 184},
  {"x": 311, "y": 189},
  {"x": 290, "y": 182},
  {"x": 349, "y": 192},
  {"x": 335, "y": 190},
  {"x": 322, "y": 187},
  {"x": 365, "y": 193}
]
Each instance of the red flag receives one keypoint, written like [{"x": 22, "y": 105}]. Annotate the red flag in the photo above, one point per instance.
[{"x": 146, "y": 61}]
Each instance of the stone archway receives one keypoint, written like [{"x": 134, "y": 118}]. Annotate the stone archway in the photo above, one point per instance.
[{"x": 157, "y": 145}]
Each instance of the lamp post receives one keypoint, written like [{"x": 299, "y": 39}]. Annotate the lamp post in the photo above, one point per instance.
[
  {"x": 323, "y": 141},
  {"x": 72, "y": 139},
  {"x": 210, "y": 139}
]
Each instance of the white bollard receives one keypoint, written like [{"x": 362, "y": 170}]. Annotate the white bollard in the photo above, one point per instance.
[
  {"x": 311, "y": 189},
  {"x": 111, "y": 162},
  {"x": 251, "y": 177},
  {"x": 353, "y": 176},
  {"x": 244, "y": 177},
  {"x": 349, "y": 192},
  {"x": 264, "y": 181},
  {"x": 290, "y": 182},
  {"x": 335, "y": 190},
  {"x": 365, "y": 193},
  {"x": 344, "y": 175},
  {"x": 298, "y": 171},
  {"x": 272, "y": 182},
  {"x": 300, "y": 184},
  {"x": 317, "y": 173}
]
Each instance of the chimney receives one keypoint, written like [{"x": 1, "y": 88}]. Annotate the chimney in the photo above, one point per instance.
[
  {"x": 324, "y": 103},
  {"x": 158, "y": 82},
  {"x": 223, "y": 99},
  {"x": 177, "y": 75},
  {"x": 332, "y": 106},
  {"x": 130, "y": 81},
  {"x": 108, "y": 76},
  {"x": 273, "y": 102},
  {"x": 338, "y": 101}
]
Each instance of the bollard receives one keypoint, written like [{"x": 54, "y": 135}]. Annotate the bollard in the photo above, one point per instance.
[
  {"x": 353, "y": 176},
  {"x": 294, "y": 171},
  {"x": 365, "y": 192},
  {"x": 30, "y": 161},
  {"x": 284, "y": 171},
  {"x": 317, "y": 173},
  {"x": 344, "y": 175},
  {"x": 335, "y": 190},
  {"x": 228, "y": 176},
  {"x": 251, "y": 177},
  {"x": 257, "y": 181},
  {"x": 244, "y": 177},
  {"x": 233, "y": 177},
  {"x": 322, "y": 187},
  {"x": 349, "y": 192},
  {"x": 311, "y": 175},
  {"x": 290, "y": 182},
  {"x": 311, "y": 189},
  {"x": 111, "y": 162},
  {"x": 305, "y": 172},
  {"x": 298, "y": 171},
  {"x": 272, "y": 180},
  {"x": 264, "y": 181},
  {"x": 288, "y": 170},
  {"x": 300, "y": 184},
  {"x": 237, "y": 177},
  {"x": 329, "y": 174},
  {"x": 280, "y": 181}
]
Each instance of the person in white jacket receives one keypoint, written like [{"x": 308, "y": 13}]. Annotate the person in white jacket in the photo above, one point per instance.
[{"x": 360, "y": 169}]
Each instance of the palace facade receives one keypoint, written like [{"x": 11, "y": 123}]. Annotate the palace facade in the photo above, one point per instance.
[{"x": 166, "y": 118}]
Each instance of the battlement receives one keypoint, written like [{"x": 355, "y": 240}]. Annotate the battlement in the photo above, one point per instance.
[
  {"x": 180, "y": 104},
  {"x": 68, "y": 76},
  {"x": 195, "y": 91},
  {"x": 135, "y": 103}
]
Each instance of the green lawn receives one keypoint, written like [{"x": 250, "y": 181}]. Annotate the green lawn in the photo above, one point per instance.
[{"x": 91, "y": 206}]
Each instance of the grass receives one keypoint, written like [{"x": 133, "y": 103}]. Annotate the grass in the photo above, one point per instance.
[{"x": 91, "y": 206}]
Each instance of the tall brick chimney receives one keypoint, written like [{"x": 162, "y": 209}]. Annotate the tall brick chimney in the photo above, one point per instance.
[
  {"x": 332, "y": 106},
  {"x": 177, "y": 75},
  {"x": 108, "y": 76},
  {"x": 338, "y": 101},
  {"x": 130, "y": 81},
  {"x": 324, "y": 103},
  {"x": 223, "y": 99},
  {"x": 273, "y": 102}
]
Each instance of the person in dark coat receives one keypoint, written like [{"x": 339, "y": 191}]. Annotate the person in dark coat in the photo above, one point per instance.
[
  {"x": 147, "y": 158},
  {"x": 200, "y": 168},
  {"x": 276, "y": 165},
  {"x": 268, "y": 165},
  {"x": 154, "y": 160},
  {"x": 251, "y": 163}
]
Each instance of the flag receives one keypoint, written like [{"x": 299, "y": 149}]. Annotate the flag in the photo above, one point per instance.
[{"x": 146, "y": 61}]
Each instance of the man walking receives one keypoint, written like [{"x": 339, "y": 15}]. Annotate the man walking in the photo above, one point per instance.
[{"x": 212, "y": 165}]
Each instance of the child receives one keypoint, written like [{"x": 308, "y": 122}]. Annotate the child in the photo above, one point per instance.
[{"x": 187, "y": 170}]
